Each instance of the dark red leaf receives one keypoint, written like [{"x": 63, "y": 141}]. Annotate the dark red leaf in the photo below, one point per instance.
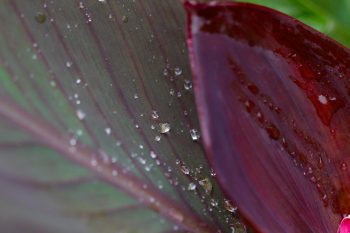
[{"x": 273, "y": 99}]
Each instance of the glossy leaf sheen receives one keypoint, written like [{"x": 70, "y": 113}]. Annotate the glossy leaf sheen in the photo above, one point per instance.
[
  {"x": 273, "y": 98},
  {"x": 88, "y": 75}
]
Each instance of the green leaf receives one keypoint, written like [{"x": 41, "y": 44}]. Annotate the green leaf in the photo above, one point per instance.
[
  {"x": 79, "y": 82},
  {"x": 327, "y": 16}
]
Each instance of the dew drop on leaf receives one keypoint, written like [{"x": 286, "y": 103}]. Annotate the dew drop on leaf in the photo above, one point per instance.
[
  {"x": 206, "y": 184},
  {"x": 125, "y": 18},
  {"x": 187, "y": 85},
  {"x": 40, "y": 17},
  {"x": 194, "y": 134},
  {"x": 177, "y": 71},
  {"x": 80, "y": 114},
  {"x": 214, "y": 202},
  {"x": 69, "y": 64},
  {"x": 164, "y": 128},
  {"x": 108, "y": 131},
  {"x": 157, "y": 138},
  {"x": 185, "y": 170},
  {"x": 229, "y": 207},
  {"x": 153, "y": 155},
  {"x": 191, "y": 186},
  {"x": 155, "y": 115}
]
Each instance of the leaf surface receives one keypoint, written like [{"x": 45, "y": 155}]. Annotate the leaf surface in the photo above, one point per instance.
[
  {"x": 273, "y": 98},
  {"x": 95, "y": 81}
]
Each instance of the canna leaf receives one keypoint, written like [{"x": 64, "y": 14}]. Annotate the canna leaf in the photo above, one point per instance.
[
  {"x": 98, "y": 129},
  {"x": 273, "y": 99}
]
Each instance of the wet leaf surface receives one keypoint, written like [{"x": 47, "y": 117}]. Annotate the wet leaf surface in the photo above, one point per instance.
[
  {"x": 273, "y": 98},
  {"x": 106, "y": 84}
]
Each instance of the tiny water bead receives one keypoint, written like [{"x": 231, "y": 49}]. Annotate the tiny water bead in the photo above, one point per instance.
[
  {"x": 155, "y": 115},
  {"x": 187, "y": 85},
  {"x": 80, "y": 114},
  {"x": 108, "y": 131},
  {"x": 178, "y": 71},
  {"x": 184, "y": 169},
  {"x": 194, "y": 134},
  {"x": 229, "y": 207},
  {"x": 125, "y": 19},
  {"x": 69, "y": 64},
  {"x": 164, "y": 128},
  {"x": 40, "y": 17},
  {"x": 206, "y": 185},
  {"x": 192, "y": 186}
]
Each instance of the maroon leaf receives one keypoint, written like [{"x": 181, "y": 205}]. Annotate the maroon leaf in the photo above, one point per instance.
[{"x": 273, "y": 101}]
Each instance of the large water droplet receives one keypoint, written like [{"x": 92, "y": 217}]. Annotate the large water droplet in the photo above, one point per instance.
[{"x": 164, "y": 128}]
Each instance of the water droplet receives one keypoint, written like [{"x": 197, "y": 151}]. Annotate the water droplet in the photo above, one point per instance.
[
  {"x": 343, "y": 166},
  {"x": 157, "y": 138},
  {"x": 212, "y": 173},
  {"x": 155, "y": 115},
  {"x": 69, "y": 64},
  {"x": 93, "y": 162},
  {"x": 187, "y": 85},
  {"x": 206, "y": 184},
  {"x": 229, "y": 207},
  {"x": 322, "y": 99},
  {"x": 114, "y": 173},
  {"x": 194, "y": 134},
  {"x": 177, "y": 71},
  {"x": 253, "y": 89},
  {"x": 80, "y": 114},
  {"x": 136, "y": 96},
  {"x": 214, "y": 202},
  {"x": 108, "y": 131},
  {"x": 153, "y": 155},
  {"x": 125, "y": 18},
  {"x": 78, "y": 81},
  {"x": 273, "y": 132},
  {"x": 185, "y": 170},
  {"x": 40, "y": 17},
  {"x": 164, "y": 128},
  {"x": 73, "y": 141},
  {"x": 191, "y": 186}
]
